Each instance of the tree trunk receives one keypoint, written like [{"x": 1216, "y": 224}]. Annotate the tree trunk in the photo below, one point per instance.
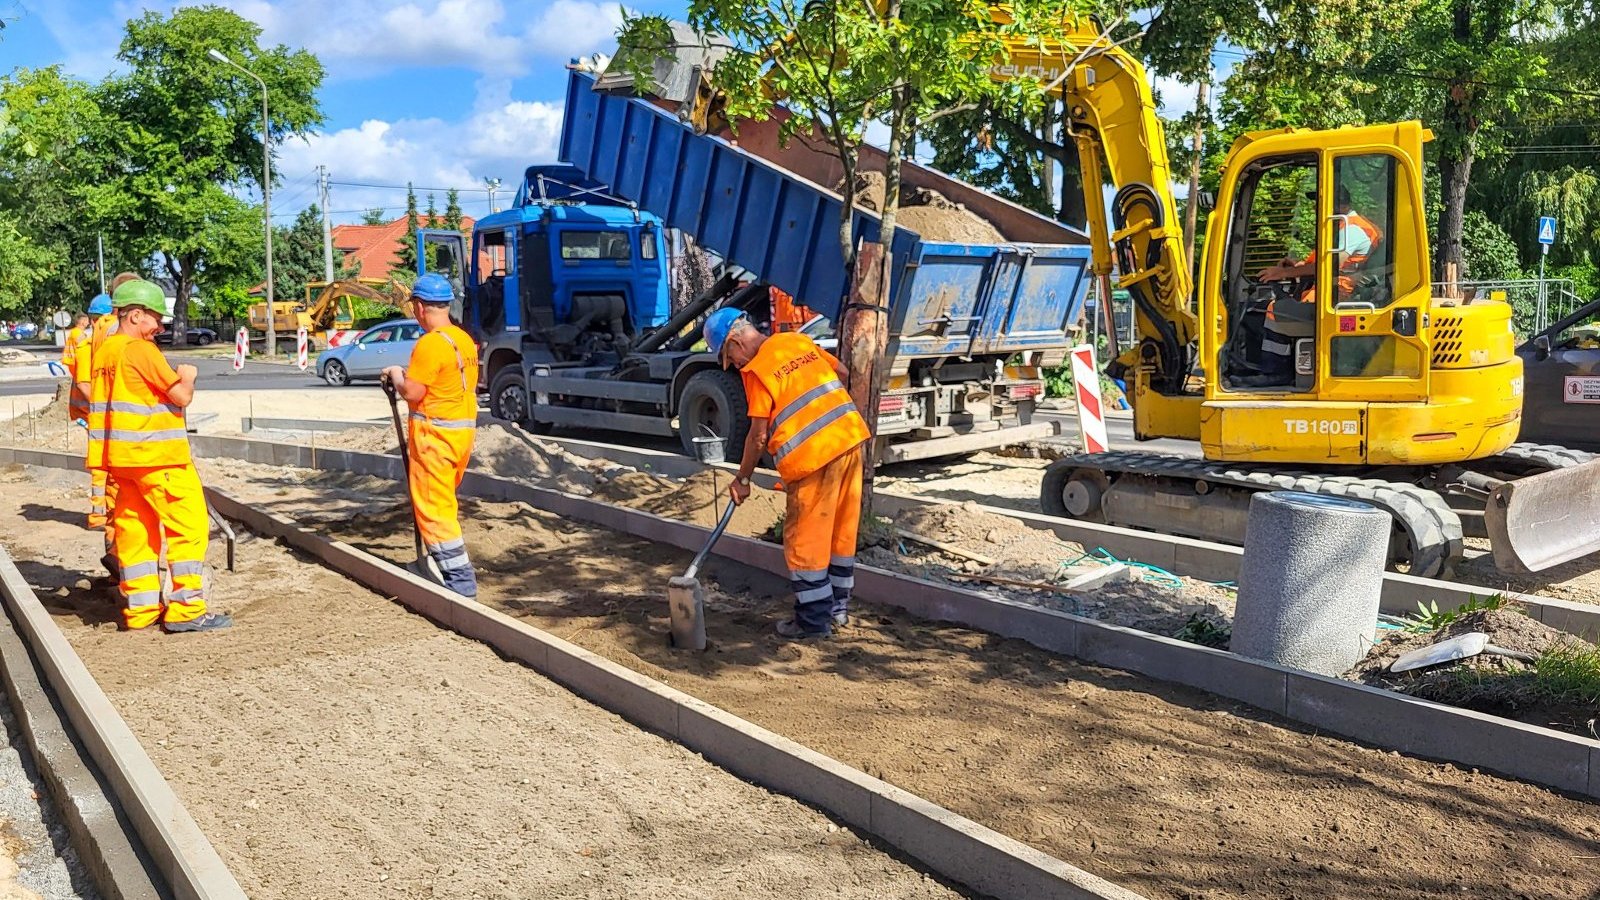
[
  {"x": 1192, "y": 207},
  {"x": 866, "y": 325},
  {"x": 1458, "y": 131}
]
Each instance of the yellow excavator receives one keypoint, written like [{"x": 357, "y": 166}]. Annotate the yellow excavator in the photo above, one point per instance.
[
  {"x": 1314, "y": 356},
  {"x": 329, "y": 317}
]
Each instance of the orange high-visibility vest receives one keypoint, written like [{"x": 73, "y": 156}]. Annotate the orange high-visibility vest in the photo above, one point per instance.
[
  {"x": 103, "y": 327},
  {"x": 69, "y": 349},
  {"x": 451, "y": 402},
  {"x": 132, "y": 423},
  {"x": 813, "y": 419}
]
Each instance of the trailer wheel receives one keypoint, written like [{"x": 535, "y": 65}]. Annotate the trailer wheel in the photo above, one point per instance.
[
  {"x": 712, "y": 417},
  {"x": 508, "y": 400}
]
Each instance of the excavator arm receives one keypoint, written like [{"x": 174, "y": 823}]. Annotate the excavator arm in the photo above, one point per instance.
[{"x": 323, "y": 312}]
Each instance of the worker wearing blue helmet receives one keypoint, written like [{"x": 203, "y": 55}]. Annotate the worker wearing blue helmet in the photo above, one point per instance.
[
  {"x": 802, "y": 415},
  {"x": 440, "y": 385}
]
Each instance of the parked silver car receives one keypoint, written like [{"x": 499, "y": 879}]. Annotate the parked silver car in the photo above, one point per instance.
[{"x": 374, "y": 350}]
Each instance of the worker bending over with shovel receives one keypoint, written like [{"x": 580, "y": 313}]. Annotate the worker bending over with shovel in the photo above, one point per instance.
[
  {"x": 801, "y": 413},
  {"x": 137, "y": 433},
  {"x": 440, "y": 387}
]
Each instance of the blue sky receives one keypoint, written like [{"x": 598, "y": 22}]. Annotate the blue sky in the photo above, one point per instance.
[{"x": 440, "y": 93}]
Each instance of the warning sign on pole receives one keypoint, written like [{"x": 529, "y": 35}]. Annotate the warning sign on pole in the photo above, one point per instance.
[
  {"x": 1091, "y": 411},
  {"x": 302, "y": 358},
  {"x": 241, "y": 348}
]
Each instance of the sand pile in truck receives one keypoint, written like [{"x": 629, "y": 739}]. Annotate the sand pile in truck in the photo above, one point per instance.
[{"x": 927, "y": 212}]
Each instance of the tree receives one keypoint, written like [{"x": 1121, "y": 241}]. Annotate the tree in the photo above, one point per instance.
[
  {"x": 433, "y": 211},
  {"x": 406, "y": 255},
  {"x": 452, "y": 211},
  {"x": 24, "y": 265},
  {"x": 297, "y": 255},
  {"x": 1489, "y": 253},
  {"x": 53, "y": 140},
  {"x": 187, "y": 130},
  {"x": 374, "y": 217},
  {"x": 841, "y": 64}
]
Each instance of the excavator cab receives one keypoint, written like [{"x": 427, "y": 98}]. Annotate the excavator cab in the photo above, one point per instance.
[{"x": 1315, "y": 296}]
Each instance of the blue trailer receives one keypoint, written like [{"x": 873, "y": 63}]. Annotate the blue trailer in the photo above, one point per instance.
[{"x": 592, "y": 340}]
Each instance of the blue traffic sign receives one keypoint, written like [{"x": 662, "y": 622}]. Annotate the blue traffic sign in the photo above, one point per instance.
[{"x": 1547, "y": 229}]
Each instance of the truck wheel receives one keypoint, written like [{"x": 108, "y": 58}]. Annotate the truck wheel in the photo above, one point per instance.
[
  {"x": 712, "y": 421},
  {"x": 508, "y": 399}
]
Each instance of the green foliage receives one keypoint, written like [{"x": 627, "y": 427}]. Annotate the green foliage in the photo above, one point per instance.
[
  {"x": 1569, "y": 674},
  {"x": 228, "y": 301},
  {"x": 1205, "y": 632},
  {"x": 297, "y": 255},
  {"x": 406, "y": 256},
  {"x": 1488, "y": 253},
  {"x": 1572, "y": 195},
  {"x": 374, "y": 217},
  {"x": 24, "y": 265},
  {"x": 1430, "y": 618},
  {"x": 187, "y": 129},
  {"x": 452, "y": 211}
]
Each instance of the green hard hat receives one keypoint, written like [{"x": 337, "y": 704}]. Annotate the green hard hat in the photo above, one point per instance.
[{"x": 141, "y": 293}]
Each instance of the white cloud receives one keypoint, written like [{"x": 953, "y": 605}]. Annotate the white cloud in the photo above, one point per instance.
[
  {"x": 499, "y": 138},
  {"x": 361, "y": 38}
]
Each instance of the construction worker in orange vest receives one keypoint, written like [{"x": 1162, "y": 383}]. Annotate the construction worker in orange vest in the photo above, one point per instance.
[
  {"x": 100, "y": 495},
  {"x": 440, "y": 386},
  {"x": 801, "y": 413},
  {"x": 77, "y": 408},
  {"x": 137, "y": 433}
]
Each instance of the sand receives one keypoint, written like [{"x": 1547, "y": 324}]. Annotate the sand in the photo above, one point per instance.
[
  {"x": 1167, "y": 790},
  {"x": 927, "y": 212},
  {"x": 333, "y": 745}
]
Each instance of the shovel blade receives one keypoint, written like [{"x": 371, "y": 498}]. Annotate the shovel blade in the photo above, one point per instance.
[
  {"x": 1469, "y": 644},
  {"x": 687, "y": 607},
  {"x": 1546, "y": 519}
]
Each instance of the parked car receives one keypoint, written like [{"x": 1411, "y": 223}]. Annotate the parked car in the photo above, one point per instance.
[
  {"x": 1561, "y": 382},
  {"x": 370, "y": 353},
  {"x": 197, "y": 337}
]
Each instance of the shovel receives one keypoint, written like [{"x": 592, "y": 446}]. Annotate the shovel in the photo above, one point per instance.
[
  {"x": 423, "y": 566},
  {"x": 1467, "y": 645},
  {"x": 686, "y": 602}
]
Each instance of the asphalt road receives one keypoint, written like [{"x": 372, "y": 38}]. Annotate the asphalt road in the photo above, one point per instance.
[{"x": 215, "y": 375}]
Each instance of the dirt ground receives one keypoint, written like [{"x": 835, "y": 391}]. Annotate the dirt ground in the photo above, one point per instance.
[
  {"x": 333, "y": 745},
  {"x": 1168, "y": 791}
]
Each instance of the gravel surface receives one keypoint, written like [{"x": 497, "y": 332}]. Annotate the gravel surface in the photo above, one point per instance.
[{"x": 34, "y": 852}]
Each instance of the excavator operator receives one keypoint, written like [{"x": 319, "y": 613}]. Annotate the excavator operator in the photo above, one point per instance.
[{"x": 1297, "y": 319}]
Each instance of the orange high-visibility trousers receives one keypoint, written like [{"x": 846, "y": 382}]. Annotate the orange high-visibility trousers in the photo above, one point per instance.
[
  {"x": 102, "y": 497},
  {"x": 819, "y": 539},
  {"x": 440, "y": 451},
  {"x": 153, "y": 504}
]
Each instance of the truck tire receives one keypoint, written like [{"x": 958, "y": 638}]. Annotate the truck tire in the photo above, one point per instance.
[
  {"x": 508, "y": 400},
  {"x": 713, "y": 406}
]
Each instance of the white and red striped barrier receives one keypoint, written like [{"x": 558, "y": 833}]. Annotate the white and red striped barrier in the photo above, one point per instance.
[
  {"x": 301, "y": 357},
  {"x": 1091, "y": 409},
  {"x": 241, "y": 348}
]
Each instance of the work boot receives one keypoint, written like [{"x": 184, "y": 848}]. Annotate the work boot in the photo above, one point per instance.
[
  {"x": 841, "y": 619},
  {"x": 110, "y": 562},
  {"x": 789, "y": 629},
  {"x": 209, "y": 622}
]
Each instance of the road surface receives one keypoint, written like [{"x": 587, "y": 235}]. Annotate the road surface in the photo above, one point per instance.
[{"x": 215, "y": 375}]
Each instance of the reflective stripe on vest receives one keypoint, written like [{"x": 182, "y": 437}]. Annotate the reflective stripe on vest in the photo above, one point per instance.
[
  {"x": 445, "y": 423},
  {"x": 461, "y": 364}
]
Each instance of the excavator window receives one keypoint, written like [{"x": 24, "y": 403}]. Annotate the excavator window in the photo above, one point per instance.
[
  {"x": 1272, "y": 277},
  {"x": 1366, "y": 188}
]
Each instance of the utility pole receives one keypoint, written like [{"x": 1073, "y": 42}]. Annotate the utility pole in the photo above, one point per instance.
[
  {"x": 1202, "y": 112},
  {"x": 327, "y": 228},
  {"x": 100, "y": 259},
  {"x": 266, "y": 195},
  {"x": 493, "y": 186}
]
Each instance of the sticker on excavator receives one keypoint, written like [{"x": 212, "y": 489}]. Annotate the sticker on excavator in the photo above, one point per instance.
[{"x": 1581, "y": 389}]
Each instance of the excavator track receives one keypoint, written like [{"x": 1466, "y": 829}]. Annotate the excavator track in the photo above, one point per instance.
[
  {"x": 1534, "y": 458},
  {"x": 1428, "y": 533}
]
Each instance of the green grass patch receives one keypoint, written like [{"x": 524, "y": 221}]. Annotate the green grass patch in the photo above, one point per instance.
[
  {"x": 1430, "y": 617},
  {"x": 1203, "y": 631}
]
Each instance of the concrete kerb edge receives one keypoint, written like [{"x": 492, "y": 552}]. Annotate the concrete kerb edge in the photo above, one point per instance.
[
  {"x": 178, "y": 848},
  {"x": 106, "y": 845},
  {"x": 952, "y": 845}
]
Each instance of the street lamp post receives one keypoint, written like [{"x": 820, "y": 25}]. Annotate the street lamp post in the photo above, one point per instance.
[{"x": 266, "y": 196}]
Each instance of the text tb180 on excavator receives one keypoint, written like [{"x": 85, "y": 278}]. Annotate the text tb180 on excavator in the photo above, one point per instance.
[{"x": 1314, "y": 356}]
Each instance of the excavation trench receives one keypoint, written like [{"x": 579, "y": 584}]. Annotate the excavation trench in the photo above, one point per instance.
[{"x": 1165, "y": 790}]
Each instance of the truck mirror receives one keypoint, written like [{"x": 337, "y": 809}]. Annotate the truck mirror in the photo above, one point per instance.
[{"x": 1207, "y": 200}]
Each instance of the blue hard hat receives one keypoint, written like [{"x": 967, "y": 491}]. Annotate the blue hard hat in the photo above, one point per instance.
[
  {"x": 432, "y": 288},
  {"x": 718, "y": 324},
  {"x": 100, "y": 305}
]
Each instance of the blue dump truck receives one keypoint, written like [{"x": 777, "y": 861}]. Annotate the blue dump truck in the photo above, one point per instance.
[{"x": 567, "y": 292}]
